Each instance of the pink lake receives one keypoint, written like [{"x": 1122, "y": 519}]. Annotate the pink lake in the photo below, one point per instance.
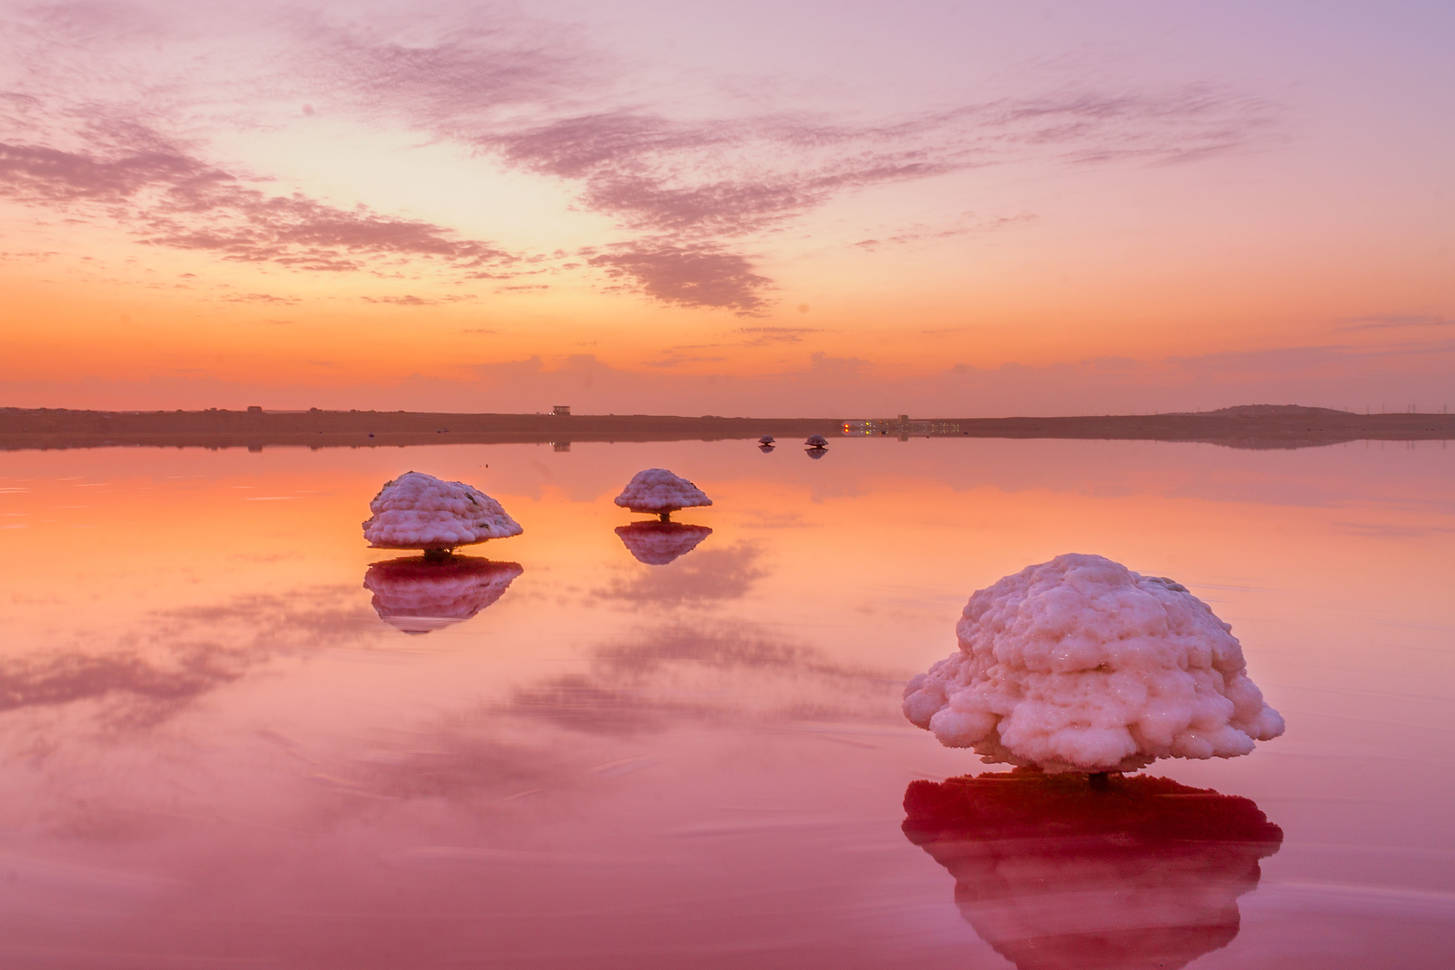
[{"x": 608, "y": 748}]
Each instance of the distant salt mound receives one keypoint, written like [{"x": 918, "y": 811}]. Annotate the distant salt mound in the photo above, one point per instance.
[
  {"x": 1079, "y": 664},
  {"x": 658, "y": 543},
  {"x": 658, "y": 491},
  {"x": 1056, "y": 875},
  {"x": 419, "y": 511},
  {"x": 420, "y": 596}
]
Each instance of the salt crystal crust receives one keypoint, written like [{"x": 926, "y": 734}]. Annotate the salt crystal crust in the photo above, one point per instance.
[
  {"x": 419, "y": 511},
  {"x": 657, "y": 490},
  {"x": 1080, "y": 664}
]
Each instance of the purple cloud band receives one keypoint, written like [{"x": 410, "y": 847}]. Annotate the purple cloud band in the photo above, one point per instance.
[{"x": 169, "y": 198}]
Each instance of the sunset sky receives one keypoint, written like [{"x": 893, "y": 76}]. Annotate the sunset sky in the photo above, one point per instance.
[{"x": 758, "y": 208}]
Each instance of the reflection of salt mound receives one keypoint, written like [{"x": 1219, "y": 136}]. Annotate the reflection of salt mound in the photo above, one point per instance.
[
  {"x": 1079, "y": 664},
  {"x": 419, "y": 511},
  {"x": 660, "y": 492},
  {"x": 816, "y": 453},
  {"x": 658, "y": 543},
  {"x": 1054, "y": 874},
  {"x": 420, "y": 595}
]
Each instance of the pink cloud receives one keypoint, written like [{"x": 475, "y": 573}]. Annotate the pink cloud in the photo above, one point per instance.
[
  {"x": 540, "y": 97},
  {"x": 169, "y": 198},
  {"x": 409, "y": 299},
  {"x": 696, "y": 276},
  {"x": 758, "y": 336}
]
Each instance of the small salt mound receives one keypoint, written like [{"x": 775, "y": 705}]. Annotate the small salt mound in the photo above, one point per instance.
[
  {"x": 419, "y": 511},
  {"x": 657, "y": 490},
  {"x": 1080, "y": 664}
]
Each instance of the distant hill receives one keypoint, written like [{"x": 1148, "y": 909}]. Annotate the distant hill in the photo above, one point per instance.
[{"x": 1277, "y": 411}]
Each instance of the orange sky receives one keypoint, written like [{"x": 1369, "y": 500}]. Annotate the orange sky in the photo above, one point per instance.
[{"x": 967, "y": 211}]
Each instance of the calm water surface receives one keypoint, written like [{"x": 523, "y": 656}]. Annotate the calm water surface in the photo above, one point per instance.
[{"x": 230, "y": 739}]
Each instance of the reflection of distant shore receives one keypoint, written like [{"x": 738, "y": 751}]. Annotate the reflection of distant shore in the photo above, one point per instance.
[{"x": 1252, "y": 427}]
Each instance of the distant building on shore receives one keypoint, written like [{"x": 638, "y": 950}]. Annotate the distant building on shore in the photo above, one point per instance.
[
  {"x": 901, "y": 427},
  {"x": 561, "y": 410}
]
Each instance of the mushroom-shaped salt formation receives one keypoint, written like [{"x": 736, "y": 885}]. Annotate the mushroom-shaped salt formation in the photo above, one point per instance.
[
  {"x": 658, "y": 543},
  {"x": 767, "y": 439},
  {"x": 419, "y": 511},
  {"x": 1057, "y": 876},
  {"x": 1079, "y": 664},
  {"x": 422, "y": 595},
  {"x": 816, "y": 441},
  {"x": 659, "y": 492}
]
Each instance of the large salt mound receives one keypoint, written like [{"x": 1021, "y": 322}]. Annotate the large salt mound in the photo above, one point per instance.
[
  {"x": 419, "y": 511},
  {"x": 658, "y": 491},
  {"x": 1080, "y": 664}
]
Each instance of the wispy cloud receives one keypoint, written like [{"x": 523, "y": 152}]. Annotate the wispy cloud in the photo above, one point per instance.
[
  {"x": 1392, "y": 321},
  {"x": 968, "y": 225},
  {"x": 757, "y": 336},
  {"x": 706, "y": 184},
  {"x": 167, "y": 197},
  {"x": 540, "y": 98},
  {"x": 261, "y": 298},
  {"x": 675, "y": 359},
  {"x": 409, "y": 299},
  {"x": 695, "y": 276}
]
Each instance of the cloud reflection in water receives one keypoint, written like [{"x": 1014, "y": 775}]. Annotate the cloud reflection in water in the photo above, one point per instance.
[{"x": 712, "y": 576}]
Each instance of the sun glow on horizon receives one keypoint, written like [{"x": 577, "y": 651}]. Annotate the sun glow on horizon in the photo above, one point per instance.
[{"x": 355, "y": 202}]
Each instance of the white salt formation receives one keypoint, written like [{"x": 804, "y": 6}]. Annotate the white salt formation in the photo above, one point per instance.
[
  {"x": 816, "y": 441},
  {"x": 658, "y": 491},
  {"x": 1080, "y": 664},
  {"x": 658, "y": 543},
  {"x": 419, "y": 596},
  {"x": 419, "y": 511}
]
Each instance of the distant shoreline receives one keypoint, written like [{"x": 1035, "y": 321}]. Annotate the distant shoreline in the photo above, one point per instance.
[{"x": 1251, "y": 426}]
